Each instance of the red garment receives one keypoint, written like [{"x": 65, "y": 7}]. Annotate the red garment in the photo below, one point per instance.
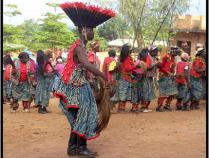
[
  {"x": 127, "y": 66},
  {"x": 167, "y": 64},
  {"x": 180, "y": 68},
  {"x": 197, "y": 63},
  {"x": 106, "y": 64},
  {"x": 93, "y": 58},
  {"x": 32, "y": 66},
  {"x": 149, "y": 63},
  {"x": 8, "y": 71},
  {"x": 48, "y": 68},
  {"x": 68, "y": 70},
  {"x": 23, "y": 71}
]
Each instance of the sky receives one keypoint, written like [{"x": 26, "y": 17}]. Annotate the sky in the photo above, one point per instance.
[{"x": 34, "y": 9}]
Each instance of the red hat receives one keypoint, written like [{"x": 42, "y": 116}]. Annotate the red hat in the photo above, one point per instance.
[{"x": 86, "y": 15}]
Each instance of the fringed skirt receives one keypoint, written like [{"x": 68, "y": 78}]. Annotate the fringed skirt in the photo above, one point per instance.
[
  {"x": 148, "y": 89},
  {"x": 167, "y": 86},
  {"x": 79, "y": 106},
  {"x": 21, "y": 91},
  {"x": 7, "y": 89}
]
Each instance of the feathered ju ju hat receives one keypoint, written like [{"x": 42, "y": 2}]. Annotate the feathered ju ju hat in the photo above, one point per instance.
[{"x": 86, "y": 15}]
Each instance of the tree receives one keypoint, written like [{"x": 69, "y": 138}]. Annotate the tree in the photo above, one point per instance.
[
  {"x": 133, "y": 12},
  {"x": 154, "y": 15},
  {"x": 12, "y": 34},
  {"x": 13, "y": 11},
  {"x": 55, "y": 33},
  {"x": 114, "y": 28},
  {"x": 145, "y": 16}
]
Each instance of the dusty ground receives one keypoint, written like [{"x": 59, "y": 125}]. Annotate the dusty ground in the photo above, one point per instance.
[{"x": 148, "y": 135}]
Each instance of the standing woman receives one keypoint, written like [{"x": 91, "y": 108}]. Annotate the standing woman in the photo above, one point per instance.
[
  {"x": 148, "y": 79},
  {"x": 32, "y": 78},
  {"x": 167, "y": 84},
  {"x": 45, "y": 73},
  {"x": 21, "y": 89},
  {"x": 125, "y": 81},
  {"x": 7, "y": 80},
  {"x": 198, "y": 69}
]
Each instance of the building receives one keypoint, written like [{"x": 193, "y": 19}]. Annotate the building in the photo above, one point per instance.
[{"x": 191, "y": 29}]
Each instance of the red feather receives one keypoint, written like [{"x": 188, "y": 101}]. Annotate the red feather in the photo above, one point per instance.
[{"x": 90, "y": 8}]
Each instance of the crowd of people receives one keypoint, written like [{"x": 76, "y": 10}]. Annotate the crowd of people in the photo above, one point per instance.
[
  {"x": 180, "y": 78},
  {"x": 177, "y": 79},
  {"x": 76, "y": 82}
]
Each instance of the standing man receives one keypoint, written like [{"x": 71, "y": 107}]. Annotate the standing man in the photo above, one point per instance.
[{"x": 76, "y": 97}]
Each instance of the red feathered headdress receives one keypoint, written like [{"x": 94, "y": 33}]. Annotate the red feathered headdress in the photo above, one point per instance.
[{"x": 86, "y": 15}]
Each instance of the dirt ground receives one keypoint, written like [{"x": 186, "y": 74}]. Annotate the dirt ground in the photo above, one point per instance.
[{"x": 174, "y": 134}]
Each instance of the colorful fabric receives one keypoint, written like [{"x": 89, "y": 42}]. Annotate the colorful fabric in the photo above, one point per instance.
[
  {"x": 148, "y": 90},
  {"x": 180, "y": 69},
  {"x": 32, "y": 73},
  {"x": 183, "y": 92},
  {"x": 195, "y": 92},
  {"x": 137, "y": 91},
  {"x": 167, "y": 64},
  {"x": 93, "y": 58},
  {"x": 198, "y": 63},
  {"x": 150, "y": 61},
  {"x": 142, "y": 68},
  {"x": 7, "y": 89},
  {"x": 8, "y": 72},
  {"x": 126, "y": 68},
  {"x": 43, "y": 89},
  {"x": 32, "y": 89},
  {"x": 167, "y": 86},
  {"x": 124, "y": 90},
  {"x": 71, "y": 67},
  {"x": 23, "y": 71},
  {"x": 106, "y": 65},
  {"x": 74, "y": 91},
  {"x": 21, "y": 91},
  {"x": 59, "y": 68},
  {"x": 84, "y": 122}
]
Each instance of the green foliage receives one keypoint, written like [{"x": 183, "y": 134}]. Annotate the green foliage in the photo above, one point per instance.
[
  {"x": 45, "y": 33},
  {"x": 114, "y": 28},
  {"x": 13, "y": 10},
  {"x": 141, "y": 19},
  {"x": 102, "y": 41}
]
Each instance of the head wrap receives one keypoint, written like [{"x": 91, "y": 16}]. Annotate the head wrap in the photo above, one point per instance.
[
  {"x": 86, "y": 15},
  {"x": 200, "y": 51},
  {"x": 185, "y": 56},
  {"x": 152, "y": 47},
  {"x": 59, "y": 60},
  {"x": 174, "y": 49},
  {"x": 29, "y": 54}
]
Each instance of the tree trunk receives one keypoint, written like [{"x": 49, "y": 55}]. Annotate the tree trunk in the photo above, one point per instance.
[{"x": 140, "y": 40}]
